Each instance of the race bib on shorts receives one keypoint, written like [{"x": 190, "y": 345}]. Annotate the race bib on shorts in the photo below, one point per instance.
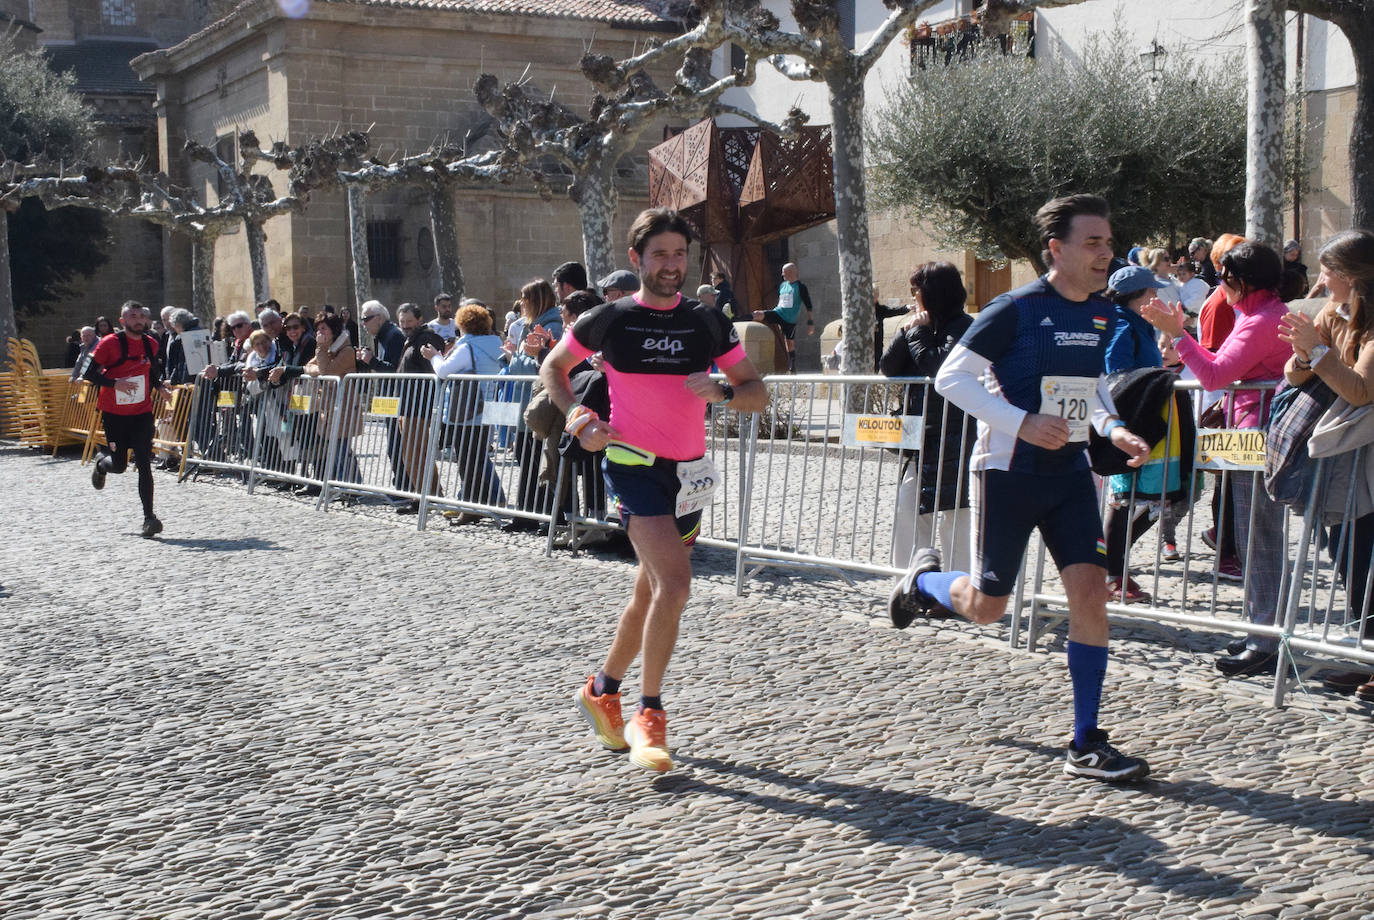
[
  {"x": 698, "y": 480},
  {"x": 1072, "y": 399},
  {"x": 139, "y": 394}
]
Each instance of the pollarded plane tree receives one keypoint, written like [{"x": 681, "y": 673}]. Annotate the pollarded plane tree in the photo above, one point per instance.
[
  {"x": 537, "y": 129},
  {"x": 128, "y": 190},
  {"x": 819, "y": 51},
  {"x": 444, "y": 170}
]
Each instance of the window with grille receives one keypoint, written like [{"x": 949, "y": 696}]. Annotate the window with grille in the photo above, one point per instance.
[
  {"x": 384, "y": 249},
  {"x": 226, "y": 151},
  {"x": 118, "y": 12},
  {"x": 738, "y": 57}
]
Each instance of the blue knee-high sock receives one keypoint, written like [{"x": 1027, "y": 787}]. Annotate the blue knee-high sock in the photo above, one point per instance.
[
  {"x": 938, "y": 584},
  {"x": 1087, "y": 669}
]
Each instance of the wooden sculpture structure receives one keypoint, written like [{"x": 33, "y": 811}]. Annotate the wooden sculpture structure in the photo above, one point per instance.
[{"x": 742, "y": 188}]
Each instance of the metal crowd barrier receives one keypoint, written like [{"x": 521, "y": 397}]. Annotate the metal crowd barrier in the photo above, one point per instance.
[
  {"x": 827, "y": 464},
  {"x": 1313, "y": 609},
  {"x": 220, "y": 433},
  {"x": 381, "y": 437},
  {"x": 812, "y": 483},
  {"x": 483, "y": 458},
  {"x": 295, "y": 427}
]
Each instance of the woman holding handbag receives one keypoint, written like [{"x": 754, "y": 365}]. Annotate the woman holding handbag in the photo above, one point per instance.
[
  {"x": 1253, "y": 351},
  {"x": 477, "y": 351},
  {"x": 1336, "y": 349},
  {"x": 933, "y": 492}
]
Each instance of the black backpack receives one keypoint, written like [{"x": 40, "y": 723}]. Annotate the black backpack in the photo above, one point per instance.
[{"x": 92, "y": 372}]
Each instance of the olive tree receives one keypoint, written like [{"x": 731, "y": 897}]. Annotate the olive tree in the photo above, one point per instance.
[
  {"x": 974, "y": 149},
  {"x": 41, "y": 119}
]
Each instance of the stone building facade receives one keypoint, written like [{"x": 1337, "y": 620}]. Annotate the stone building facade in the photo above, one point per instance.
[
  {"x": 95, "y": 40},
  {"x": 404, "y": 74}
]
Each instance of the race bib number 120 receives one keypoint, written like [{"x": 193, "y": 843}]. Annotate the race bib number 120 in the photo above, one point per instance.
[{"x": 1072, "y": 399}]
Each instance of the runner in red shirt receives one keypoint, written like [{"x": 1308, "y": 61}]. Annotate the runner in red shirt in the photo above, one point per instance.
[{"x": 125, "y": 367}]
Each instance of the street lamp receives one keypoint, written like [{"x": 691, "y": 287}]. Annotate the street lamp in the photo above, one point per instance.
[{"x": 1150, "y": 58}]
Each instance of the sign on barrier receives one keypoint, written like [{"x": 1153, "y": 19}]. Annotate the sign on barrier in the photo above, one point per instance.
[
  {"x": 902, "y": 431},
  {"x": 502, "y": 414},
  {"x": 385, "y": 406},
  {"x": 300, "y": 402},
  {"x": 227, "y": 399},
  {"x": 1235, "y": 449}
]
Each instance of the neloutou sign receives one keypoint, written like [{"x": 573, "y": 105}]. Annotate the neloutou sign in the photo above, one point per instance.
[{"x": 902, "y": 431}]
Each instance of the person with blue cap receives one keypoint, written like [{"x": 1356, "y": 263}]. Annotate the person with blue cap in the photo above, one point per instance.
[
  {"x": 1133, "y": 341},
  {"x": 1134, "y": 503}
]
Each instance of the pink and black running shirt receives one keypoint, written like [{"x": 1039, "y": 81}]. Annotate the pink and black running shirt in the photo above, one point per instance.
[{"x": 649, "y": 351}]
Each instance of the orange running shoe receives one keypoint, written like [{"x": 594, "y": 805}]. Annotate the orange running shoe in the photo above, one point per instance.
[
  {"x": 648, "y": 737},
  {"x": 603, "y": 715}
]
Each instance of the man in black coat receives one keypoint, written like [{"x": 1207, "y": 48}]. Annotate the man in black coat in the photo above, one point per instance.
[
  {"x": 385, "y": 358},
  {"x": 416, "y": 402}
]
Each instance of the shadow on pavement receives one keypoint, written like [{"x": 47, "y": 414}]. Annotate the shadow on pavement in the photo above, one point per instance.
[
  {"x": 222, "y": 544},
  {"x": 907, "y": 819},
  {"x": 1347, "y": 819}
]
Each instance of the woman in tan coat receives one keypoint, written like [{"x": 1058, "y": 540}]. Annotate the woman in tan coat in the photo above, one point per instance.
[
  {"x": 1339, "y": 348},
  {"x": 334, "y": 357}
]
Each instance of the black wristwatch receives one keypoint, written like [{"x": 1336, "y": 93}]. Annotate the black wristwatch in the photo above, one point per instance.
[{"x": 728, "y": 390}]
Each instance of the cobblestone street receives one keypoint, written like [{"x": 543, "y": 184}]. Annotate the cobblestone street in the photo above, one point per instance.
[{"x": 275, "y": 713}]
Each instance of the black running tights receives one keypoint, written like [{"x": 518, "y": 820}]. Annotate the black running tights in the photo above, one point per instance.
[{"x": 131, "y": 433}]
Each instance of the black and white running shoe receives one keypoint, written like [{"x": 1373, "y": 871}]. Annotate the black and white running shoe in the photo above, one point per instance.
[
  {"x": 907, "y": 601},
  {"x": 1099, "y": 760}
]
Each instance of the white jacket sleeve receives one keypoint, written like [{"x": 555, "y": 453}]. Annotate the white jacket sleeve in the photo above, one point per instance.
[
  {"x": 1106, "y": 407},
  {"x": 454, "y": 361},
  {"x": 960, "y": 381}
]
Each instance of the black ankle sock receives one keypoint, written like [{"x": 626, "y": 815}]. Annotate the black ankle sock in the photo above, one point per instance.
[
  {"x": 603, "y": 685},
  {"x": 650, "y": 702}
]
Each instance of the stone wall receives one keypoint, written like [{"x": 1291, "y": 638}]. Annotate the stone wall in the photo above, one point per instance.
[
  {"x": 407, "y": 78},
  {"x": 1326, "y": 206}
]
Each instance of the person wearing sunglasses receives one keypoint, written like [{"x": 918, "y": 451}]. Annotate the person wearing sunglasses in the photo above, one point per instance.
[{"x": 1249, "y": 279}]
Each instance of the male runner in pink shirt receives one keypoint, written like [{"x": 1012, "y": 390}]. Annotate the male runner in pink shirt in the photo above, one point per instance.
[{"x": 657, "y": 347}]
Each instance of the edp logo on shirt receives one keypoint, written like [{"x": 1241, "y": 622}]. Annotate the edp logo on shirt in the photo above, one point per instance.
[{"x": 669, "y": 344}]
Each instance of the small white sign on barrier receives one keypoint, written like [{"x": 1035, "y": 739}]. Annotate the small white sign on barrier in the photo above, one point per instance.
[
  {"x": 897, "y": 431},
  {"x": 1235, "y": 449},
  {"x": 502, "y": 414}
]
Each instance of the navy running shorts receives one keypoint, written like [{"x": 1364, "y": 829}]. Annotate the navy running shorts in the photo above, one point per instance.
[
  {"x": 789, "y": 330},
  {"x": 649, "y": 490},
  {"x": 1008, "y": 506}
]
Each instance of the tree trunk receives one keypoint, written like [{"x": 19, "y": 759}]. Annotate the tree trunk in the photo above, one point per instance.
[
  {"x": 256, "y": 235},
  {"x": 851, "y": 223},
  {"x": 8, "y": 327},
  {"x": 203, "y": 278},
  {"x": 1361, "y": 36},
  {"x": 443, "y": 222},
  {"x": 596, "y": 205},
  {"x": 357, "y": 236},
  {"x": 1264, "y": 33}
]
